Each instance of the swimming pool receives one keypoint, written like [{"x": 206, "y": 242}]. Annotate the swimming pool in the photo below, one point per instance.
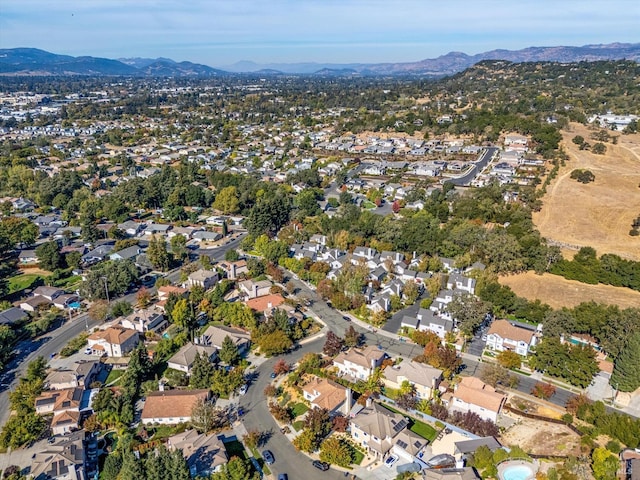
[{"x": 517, "y": 472}]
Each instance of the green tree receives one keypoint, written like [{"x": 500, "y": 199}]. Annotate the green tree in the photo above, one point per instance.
[
  {"x": 468, "y": 311},
  {"x": 626, "y": 371},
  {"x": 229, "y": 353},
  {"x": 604, "y": 464},
  {"x": 227, "y": 200},
  {"x": 49, "y": 257},
  {"x": 336, "y": 451},
  {"x": 131, "y": 468},
  {"x": 157, "y": 254},
  {"x": 509, "y": 359},
  {"x": 178, "y": 247},
  {"x": 201, "y": 372},
  {"x": 181, "y": 313}
]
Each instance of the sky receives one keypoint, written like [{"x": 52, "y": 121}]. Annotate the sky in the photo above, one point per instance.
[{"x": 222, "y": 32}]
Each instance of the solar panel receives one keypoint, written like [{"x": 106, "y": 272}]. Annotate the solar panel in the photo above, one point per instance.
[
  {"x": 401, "y": 444},
  {"x": 398, "y": 427},
  {"x": 417, "y": 444}
]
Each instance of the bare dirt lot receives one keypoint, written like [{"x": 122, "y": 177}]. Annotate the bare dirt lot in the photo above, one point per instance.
[
  {"x": 541, "y": 438},
  {"x": 598, "y": 214},
  {"x": 559, "y": 292}
]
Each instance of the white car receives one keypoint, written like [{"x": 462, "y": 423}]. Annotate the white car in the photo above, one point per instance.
[
  {"x": 243, "y": 389},
  {"x": 391, "y": 461},
  {"x": 88, "y": 351}
]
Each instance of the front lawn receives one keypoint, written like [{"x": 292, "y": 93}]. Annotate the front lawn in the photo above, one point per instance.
[
  {"x": 299, "y": 409},
  {"x": 358, "y": 457},
  {"x": 299, "y": 425}
]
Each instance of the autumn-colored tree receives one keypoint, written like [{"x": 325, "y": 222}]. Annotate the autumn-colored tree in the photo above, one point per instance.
[
  {"x": 281, "y": 367},
  {"x": 333, "y": 344},
  {"x": 270, "y": 391},
  {"x": 279, "y": 412},
  {"x": 575, "y": 402},
  {"x": 509, "y": 359},
  {"x": 339, "y": 423},
  {"x": 99, "y": 310},
  {"x": 351, "y": 337},
  {"x": 143, "y": 297},
  {"x": 252, "y": 439},
  {"x": 543, "y": 390}
]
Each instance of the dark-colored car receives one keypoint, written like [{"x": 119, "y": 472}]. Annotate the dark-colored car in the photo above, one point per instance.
[
  {"x": 324, "y": 466},
  {"x": 346, "y": 318},
  {"x": 268, "y": 457},
  {"x": 274, "y": 374},
  {"x": 283, "y": 476}
]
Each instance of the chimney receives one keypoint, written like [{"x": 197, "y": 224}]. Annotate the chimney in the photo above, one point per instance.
[
  {"x": 369, "y": 401},
  {"x": 347, "y": 402},
  {"x": 161, "y": 386}
]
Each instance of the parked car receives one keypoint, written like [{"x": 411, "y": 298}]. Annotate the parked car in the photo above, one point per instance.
[
  {"x": 240, "y": 411},
  {"x": 274, "y": 374},
  {"x": 268, "y": 457},
  {"x": 283, "y": 476},
  {"x": 88, "y": 351},
  {"x": 391, "y": 460},
  {"x": 324, "y": 466},
  {"x": 243, "y": 389}
]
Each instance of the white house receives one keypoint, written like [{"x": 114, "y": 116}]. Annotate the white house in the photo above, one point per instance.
[
  {"x": 425, "y": 378},
  {"x": 502, "y": 335},
  {"x": 114, "y": 341},
  {"x": 473, "y": 395},
  {"x": 359, "y": 363},
  {"x": 172, "y": 407}
]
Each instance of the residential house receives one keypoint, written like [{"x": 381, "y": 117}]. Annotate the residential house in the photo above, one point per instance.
[
  {"x": 365, "y": 252},
  {"x": 66, "y": 406},
  {"x": 473, "y": 395},
  {"x": 381, "y": 432},
  {"x": 172, "y": 406},
  {"x": 129, "y": 253},
  {"x": 64, "y": 460},
  {"x": 503, "y": 335},
  {"x": 265, "y": 303},
  {"x": 431, "y": 322},
  {"x": 64, "y": 301},
  {"x": 204, "y": 236},
  {"x": 31, "y": 304},
  {"x": 12, "y": 315},
  {"x": 323, "y": 393},
  {"x": 146, "y": 320},
  {"x": 48, "y": 292},
  {"x": 468, "y": 447},
  {"x": 204, "y": 278},
  {"x": 82, "y": 374},
  {"x": 234, "y": 269},
  {"x": 28, "y": 257},
  {"x": 131, "y": 228},
  {"x": 457, "y": 281},
  {"x": 253, "y": 289},
  {"x": 184, "y": 358},
  {"x": 97, "y": 254},
  {"x": 157, "y": 229},
  {"x": 166, "y": 290},
  {"x": 425, "y": 378},
  {"x": 205, "y": 454},
  {"x": 215, "y": 335},
  {"x": 114, "y": 341},
  {"x": 358, "y": 363}
]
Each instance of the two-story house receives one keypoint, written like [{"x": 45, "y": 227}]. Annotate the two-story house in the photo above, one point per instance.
[
  {"x": 359, "y": 364},
  {"x": 425, "y": 378},
  {"x": 502, "y": 335},
  {"x": 204, "y": 278},
  {"x": 473, "y": 395},
  {"x": 457, "y": 281},
  {"x": 381, "y": 432},
  {"x": 252, "y": 289},
  {"x": 323, "y": 393},
  {"x": 146, "y": 320},
  {"x": 113, "y": 342}
]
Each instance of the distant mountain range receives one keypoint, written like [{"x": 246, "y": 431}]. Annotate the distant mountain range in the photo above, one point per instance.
[{"x": 32, "y": 61}]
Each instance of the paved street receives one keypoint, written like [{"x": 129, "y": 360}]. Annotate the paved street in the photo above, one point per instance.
[
  {"x": 257, "y": 417},
  {"x": 52, "y": 342}
]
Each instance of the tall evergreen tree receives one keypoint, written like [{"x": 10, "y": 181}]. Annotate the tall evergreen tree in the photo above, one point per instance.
[
  {"x": 229, "y": 353},
  {"x": 626, "y": 370}
]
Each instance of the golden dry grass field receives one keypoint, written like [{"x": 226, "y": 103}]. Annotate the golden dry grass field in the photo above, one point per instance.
[
  {"x": 598, "y": 214},
  {"x": 559, "y": 292}
]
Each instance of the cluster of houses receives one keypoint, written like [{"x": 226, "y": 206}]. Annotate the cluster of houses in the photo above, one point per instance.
[{"x": 382, "y": 432}]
